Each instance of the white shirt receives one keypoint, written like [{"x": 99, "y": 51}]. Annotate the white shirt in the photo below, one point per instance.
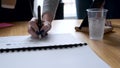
[{"x": 50, "y": 6}]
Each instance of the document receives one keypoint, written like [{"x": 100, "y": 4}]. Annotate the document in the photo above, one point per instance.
[
  {"x": 27, "y": 41},
  {"x": 76, "y": 57}
]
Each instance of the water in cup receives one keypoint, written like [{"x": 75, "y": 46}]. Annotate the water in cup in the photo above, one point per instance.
[
  {"x": 96, "y": 28},
  {"x": 96, "y": 19}
]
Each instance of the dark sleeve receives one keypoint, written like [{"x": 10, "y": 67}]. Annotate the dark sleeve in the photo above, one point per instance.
[
  {"x": 113, "y": 8},
  {"x": 22, "y": 11}
]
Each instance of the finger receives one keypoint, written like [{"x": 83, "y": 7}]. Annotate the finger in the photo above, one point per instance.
[
  {"x": 32, "y": 32},
  {"x": 109, "y": 23},
  {"x": 46, "y": 27},
  {"x": 44, "y": 34},
  {"x": 33, "y": 24}
]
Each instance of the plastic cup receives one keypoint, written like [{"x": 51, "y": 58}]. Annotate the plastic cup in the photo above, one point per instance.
[{"x": 96, "y": 19}]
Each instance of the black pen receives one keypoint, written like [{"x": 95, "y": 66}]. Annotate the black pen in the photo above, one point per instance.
[
  {"x": 39, "y": 18},
  {"x": 39, "y": 21}
]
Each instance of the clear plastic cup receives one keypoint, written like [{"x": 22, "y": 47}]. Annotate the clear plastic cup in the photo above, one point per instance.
[{"x": 96, "y": 19}]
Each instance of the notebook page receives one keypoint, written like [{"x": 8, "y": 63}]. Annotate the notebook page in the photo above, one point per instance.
[
  {"x": 27, "y": 41},
  {"x": 79, "y": 57}
]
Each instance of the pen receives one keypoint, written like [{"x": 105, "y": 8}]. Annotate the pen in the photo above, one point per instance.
[
  {"x": 39, "y": 18},
  {"x": 39, "y": 21}
]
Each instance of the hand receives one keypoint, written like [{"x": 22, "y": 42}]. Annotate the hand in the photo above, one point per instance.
[{"x": 33, "y": 28}]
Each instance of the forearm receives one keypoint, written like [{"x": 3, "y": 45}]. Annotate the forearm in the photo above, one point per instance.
[
  {"x": 49, "y": 9},
  {"x": 47, "y": 17}
]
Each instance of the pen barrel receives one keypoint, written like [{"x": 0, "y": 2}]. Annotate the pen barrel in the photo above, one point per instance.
[
  {"x": 39, "y": 18},
  {"x": 39, "y": 24}
]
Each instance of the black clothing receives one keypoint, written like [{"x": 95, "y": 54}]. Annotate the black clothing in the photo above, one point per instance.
[{"x": 23, "y": 11}]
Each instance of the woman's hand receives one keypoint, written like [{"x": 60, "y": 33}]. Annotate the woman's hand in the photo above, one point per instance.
[{"x": 33, "y": 28}]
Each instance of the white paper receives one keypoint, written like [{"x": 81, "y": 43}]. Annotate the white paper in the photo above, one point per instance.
[
  {"x": 27, "y": 41},
  {"x": 78, "y": 57}
]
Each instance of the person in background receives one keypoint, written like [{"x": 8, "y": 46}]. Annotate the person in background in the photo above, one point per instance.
[{"x": 49, "y": 10}]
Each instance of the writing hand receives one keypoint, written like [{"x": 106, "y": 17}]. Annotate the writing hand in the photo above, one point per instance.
[{"x": 33, "y": 28}]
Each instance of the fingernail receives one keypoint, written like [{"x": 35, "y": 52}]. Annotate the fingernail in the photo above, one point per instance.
[
  {"x": 44, "y": 34},
  {"x": 39, "y": 32},
  {"x": 42, "y": 31}
]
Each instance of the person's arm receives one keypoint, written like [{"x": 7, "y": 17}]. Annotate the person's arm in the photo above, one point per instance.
[{"x": 49, "y": 10}]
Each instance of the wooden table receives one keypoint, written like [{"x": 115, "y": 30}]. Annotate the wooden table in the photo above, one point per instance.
[{"x": 108, "y": 48}]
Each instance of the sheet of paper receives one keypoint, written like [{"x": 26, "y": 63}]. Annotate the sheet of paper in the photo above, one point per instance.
[
  {"x": 78, "y": 57},
  {"x": 27, "y": 41}
]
